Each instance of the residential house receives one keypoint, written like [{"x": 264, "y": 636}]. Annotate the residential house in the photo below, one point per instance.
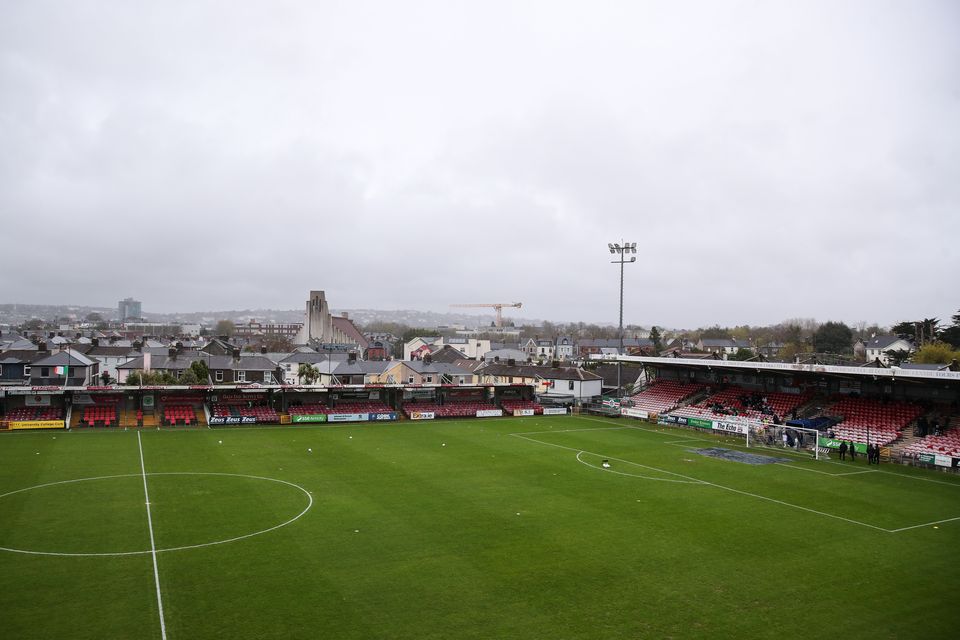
[
  {"x": 565, "y": 348},
  {"x": 68, "y": 367},
  {"x": 877, "y": 347},
  {"x": 631, "y": 346},
  {"x": 570, "y": 385},
  {"x": 722, "y": 346}
]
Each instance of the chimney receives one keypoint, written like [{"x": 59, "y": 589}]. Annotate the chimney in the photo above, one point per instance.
[
  {"x": 236, "y": 354},
  {"x": 510, "y": 362},
  {"x": 352, "y": 357},
  {"x": 137, "y": 346},
  {"x": 172, "y": 353},
  {"x": 95, "y": 342},
  {"x": 346, "y": 316},
  {"x": 77, "y": 337},
  {"x": 42, "y": 347},
  {"x": 263, "y": 349},
  {"x": 51, "y": 335}
]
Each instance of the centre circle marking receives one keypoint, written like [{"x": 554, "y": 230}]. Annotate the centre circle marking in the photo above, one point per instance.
[{"x": 168, "y": 549}]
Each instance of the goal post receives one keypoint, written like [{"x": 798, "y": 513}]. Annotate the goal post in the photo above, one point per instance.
[{"x": 785, "y": 438}]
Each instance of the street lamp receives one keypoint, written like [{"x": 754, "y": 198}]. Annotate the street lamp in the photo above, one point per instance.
[{"x": 621, "y": 250}]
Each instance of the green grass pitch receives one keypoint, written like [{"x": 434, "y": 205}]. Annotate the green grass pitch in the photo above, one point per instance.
[{"x": 383, "y": 532}]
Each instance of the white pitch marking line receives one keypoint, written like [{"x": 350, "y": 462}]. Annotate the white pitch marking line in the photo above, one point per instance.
[
  {"x": 926, "y": 524},
  {"x": 832, "y": 475},
  {"x": 631, "y": 475},
  {"x": 153, "y": 546},
  {"x": 732, "y": 490},
  {"x": 181, "y": 548}
]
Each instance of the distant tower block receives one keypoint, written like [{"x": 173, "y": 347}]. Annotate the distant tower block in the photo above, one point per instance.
[{"x": 318, "y": 325}]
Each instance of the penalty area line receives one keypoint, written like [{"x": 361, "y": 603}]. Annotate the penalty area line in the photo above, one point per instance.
[
  {"x": 153, "y": 545},
  {"x": 724, "y": 488}
]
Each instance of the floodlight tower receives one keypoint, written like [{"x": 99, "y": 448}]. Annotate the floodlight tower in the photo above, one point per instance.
[{"x": 621, "y": 250}]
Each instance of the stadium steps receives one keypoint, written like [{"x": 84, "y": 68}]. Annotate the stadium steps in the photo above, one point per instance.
[
  {"x": 149, "y": 420},
  {"x": 904, "y": 440},
  {"x": 128, "y": 418},
  {"x": 74, "y": 420},
  {"x": 201, "y": 416}
]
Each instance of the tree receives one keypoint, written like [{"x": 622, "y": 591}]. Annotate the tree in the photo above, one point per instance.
[
  {"x": 716, "y": 331},
  {"x": 94, "y": 317},
  {"x": 919, "y": 331},
  {"x": 200, "y": 370},
  {"x": 897, "y": 356},
  {"x": 151, "y": 378},
  {"x": 936, "y": 353},
  {"x": 224, "y": 328},
  {"x": 742, "y": 354},
  {"x": 833, "y": 337},
  {"x": 105, "y": 377},
  {"x": 306, "y": 374},
  {"x": 189, "y": 376},
  {"x": 656, "y": 339},
  {"x": 951, "y": 335}
]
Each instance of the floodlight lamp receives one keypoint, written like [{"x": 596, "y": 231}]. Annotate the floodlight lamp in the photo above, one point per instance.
[
  {"x": 633, "y": 247},
  {"x": 633, "y": 258},
  {"x": 612, "y": 250}
]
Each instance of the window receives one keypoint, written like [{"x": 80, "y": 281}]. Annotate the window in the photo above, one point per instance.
[
  {"x": 240, "y": 376},
  {"x": 267, "y": 378},
  {"x": 218, "y": 376},
  {"x": 44, "y": 372},
  {"x": 410, "y": 380},
  {"x": 429, "y": 379},
  {"x": 570, "y": 385},
  {"x": 289, "y": 366},
  {"x": 26, "y": 369}
]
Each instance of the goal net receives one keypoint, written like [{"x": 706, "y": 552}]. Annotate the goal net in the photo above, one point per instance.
[{"x": 800, "y": 440}]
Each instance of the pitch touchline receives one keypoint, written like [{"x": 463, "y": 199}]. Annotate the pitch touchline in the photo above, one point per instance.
[{"x": 153, "y": 546}]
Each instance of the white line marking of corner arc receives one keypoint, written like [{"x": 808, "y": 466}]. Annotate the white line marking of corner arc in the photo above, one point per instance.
[{"x": 153, "y": 546}]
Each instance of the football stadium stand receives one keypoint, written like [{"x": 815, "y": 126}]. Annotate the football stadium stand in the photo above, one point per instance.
[
  {"x": 947, "y": 444},
  {"x": 664, "y": 395},
  {"x": 873, "y": 421},
  {"x": 35, "y": 413},
  {"x": 465, "y": 409},
  {"x": 509, "y": 406},
  {"x": 737, "y": 401}
]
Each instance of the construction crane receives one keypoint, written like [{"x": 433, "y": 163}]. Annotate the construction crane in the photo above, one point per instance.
[{"x": 494, "y": 305}]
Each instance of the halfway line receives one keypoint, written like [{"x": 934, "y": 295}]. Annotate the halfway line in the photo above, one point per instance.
[{"x": 153, "y": 546}]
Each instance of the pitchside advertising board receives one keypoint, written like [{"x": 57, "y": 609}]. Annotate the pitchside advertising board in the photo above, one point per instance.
[
  {"x": 523, "y": 412},
  {"x": 319, "y": 417},
  {"x": 422, "y": 415},
  {"x": 489, "y": 413},
  {"x": 939, "y": 460},
  {"x": 348, "y": 417},
  {"x": 634, "y": 413},
  {"x": 729, "y": 427},
  {"x": 834, "y": 443},
  {"x": 215, "y": 420},
  {"x": 37, "y": 424},
  {"x": 555, "y": 411}
]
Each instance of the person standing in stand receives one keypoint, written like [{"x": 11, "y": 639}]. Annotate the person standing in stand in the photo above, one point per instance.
[
  {"x": 853, "y": 452},
  {"x": 843, "y": 450}
]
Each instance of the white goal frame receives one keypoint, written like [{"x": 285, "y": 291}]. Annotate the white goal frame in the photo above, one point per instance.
[{"x": 770, "y": 436}]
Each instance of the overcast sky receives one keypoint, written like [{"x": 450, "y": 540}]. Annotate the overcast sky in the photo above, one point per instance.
[{"x": 771, "y": 160}]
